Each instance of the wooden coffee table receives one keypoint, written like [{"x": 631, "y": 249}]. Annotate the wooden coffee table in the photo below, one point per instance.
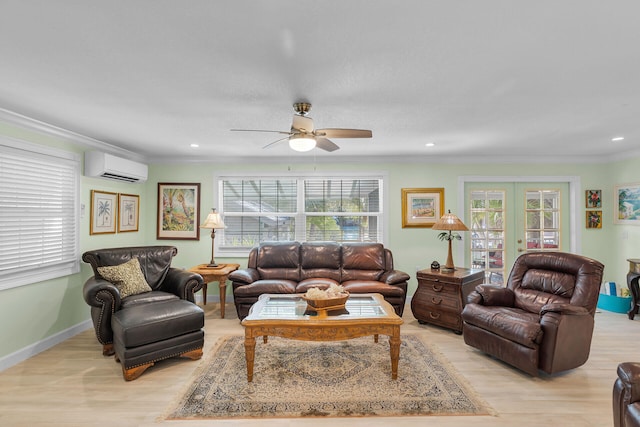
[{"x": 287, "y": 316}]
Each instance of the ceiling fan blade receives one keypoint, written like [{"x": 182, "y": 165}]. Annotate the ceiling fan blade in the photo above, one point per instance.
[
  {"x": 302, "y": 124},
  {"x": 260, "y": 130},
  {"x": 344, "y": 133},
  {"x": 325, "y": 144},
  {"x": 276, "y": 141}
]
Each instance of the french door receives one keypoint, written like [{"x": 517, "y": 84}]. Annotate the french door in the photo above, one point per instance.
[{"x": 507, "y": 219}]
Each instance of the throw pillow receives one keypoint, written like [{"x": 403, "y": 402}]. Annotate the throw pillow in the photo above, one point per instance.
[{"x": 127, "y": 277}]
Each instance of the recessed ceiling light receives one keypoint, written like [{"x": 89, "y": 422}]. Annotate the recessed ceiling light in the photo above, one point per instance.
[
  {"x": 194, "y": 145},
  {"x": 618, "y": 138},
  {"x": 429, "y": 144}
]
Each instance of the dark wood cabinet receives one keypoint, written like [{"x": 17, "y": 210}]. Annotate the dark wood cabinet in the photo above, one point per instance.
[
  {"x": 441, "y": 296},
  {"x": 633, "y": 276}
]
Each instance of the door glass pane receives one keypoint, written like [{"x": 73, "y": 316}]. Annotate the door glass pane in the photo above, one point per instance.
[
  {"x": 542, "y": 229},
  {"x": 487, "y": 233}
]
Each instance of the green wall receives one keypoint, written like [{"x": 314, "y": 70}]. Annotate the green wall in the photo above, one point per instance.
[
  {"x": 414, "y": 247},
  {"x": 32, "y": 313}
]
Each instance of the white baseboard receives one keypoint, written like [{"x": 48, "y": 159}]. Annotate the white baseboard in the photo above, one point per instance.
[{"x": 40, "y": 346}]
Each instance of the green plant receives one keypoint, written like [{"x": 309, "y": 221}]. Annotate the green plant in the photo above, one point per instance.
[{"x": 449, "y": 236}]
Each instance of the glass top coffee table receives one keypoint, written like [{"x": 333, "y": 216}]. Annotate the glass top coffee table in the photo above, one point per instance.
[{"x": 287, "y": 316}]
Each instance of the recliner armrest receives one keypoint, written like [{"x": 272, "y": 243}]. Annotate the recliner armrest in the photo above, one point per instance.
[
  {"x": 182, "y": 283},
  {"x": 563, "y": 308},
  {"x": 629, "y": 374},
  {"x": 245, "y": 275},
  {"x": 394, "y": 277},
  {"x": 492, "y": 295},
  {"x": 94, "y": 291}
]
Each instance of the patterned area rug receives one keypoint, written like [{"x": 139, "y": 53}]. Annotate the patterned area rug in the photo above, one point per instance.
[{"x": 326, "y": 379}]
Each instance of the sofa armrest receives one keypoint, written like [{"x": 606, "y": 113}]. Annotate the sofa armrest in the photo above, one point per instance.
[
  {"x": 245, "y": 276},
  {"x": 629, "y": 375},
  {"x": 563, "y": 308},
  {"x": 98, "y": 292},
  {"x": 182, "y": 283},
  {"x": 492, "y": 295},
  {"x": 394, "y": 277}
]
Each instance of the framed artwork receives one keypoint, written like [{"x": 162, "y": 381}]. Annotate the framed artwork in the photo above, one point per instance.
[
  {"x": 627, "y": 202},
  {"x": 593, "y": 219},
  {"x": 128, "y": 212},
  {"x": 593, "y": 199},
  {"x": 104, "y": 207},
  {"x": 422, "y": 207},
  {"x": 178, "y": 211}
]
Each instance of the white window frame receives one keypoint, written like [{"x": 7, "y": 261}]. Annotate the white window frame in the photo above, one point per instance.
[
  {"x": 241, "y": 252},
  {"x": 31, "y": 268}
]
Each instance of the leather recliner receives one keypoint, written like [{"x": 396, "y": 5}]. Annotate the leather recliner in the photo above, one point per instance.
[
  {"x": 543, "y": 319},
  {"x": 626, "y": 396},
  {"x": 167, "y": 283}
]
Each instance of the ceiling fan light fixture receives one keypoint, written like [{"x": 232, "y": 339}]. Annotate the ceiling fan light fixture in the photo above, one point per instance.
[{"x": 302, "y": 143}]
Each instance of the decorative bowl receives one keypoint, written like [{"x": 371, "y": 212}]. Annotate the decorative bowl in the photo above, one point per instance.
[{"x": 327, "y": 303}]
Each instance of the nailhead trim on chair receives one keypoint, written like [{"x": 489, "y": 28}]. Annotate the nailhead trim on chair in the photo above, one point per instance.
[
  {"x": 97, "y": 327},
  {"x": 162, "y": 358}
]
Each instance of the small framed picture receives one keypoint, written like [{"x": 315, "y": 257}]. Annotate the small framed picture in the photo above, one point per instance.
[
  {"x": 104, "y": 207},
  {"x": 593, "y": 199},
  {"x": 422, "y": 207},
  {"x": 178, "y": 211},
  {"x": 128, "y": 212},
  {"x": 593, "y": 219},
  {"x": 627, "y": 202}
]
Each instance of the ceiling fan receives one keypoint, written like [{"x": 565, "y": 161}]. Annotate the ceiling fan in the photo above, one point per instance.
[{"x": 303, "y": 136}]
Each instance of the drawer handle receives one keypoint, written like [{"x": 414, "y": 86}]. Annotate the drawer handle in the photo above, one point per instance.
[
  {"x": 436, "y": 301},
  {"x": 437, "y": 288},
  {"x": 434, "y": 315}
]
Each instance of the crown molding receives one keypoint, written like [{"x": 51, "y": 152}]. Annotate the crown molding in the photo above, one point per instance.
[{"x": 44, "y": 128}]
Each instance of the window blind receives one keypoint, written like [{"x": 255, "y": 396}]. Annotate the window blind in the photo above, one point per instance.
[
  {"x": 38, "y": 214},
  {"x": 261, "y": 209}
]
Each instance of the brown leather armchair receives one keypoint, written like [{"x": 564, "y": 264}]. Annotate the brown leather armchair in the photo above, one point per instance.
[
  {"x": 167, "y": 283},
  {"x": 626, "y": 396},
  {"x": 543, "y": 319}
]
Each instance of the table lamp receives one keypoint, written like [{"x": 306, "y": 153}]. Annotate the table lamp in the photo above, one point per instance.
[
  {"x": 449, "y": 222},
  {"x": 214, "y": 222}
]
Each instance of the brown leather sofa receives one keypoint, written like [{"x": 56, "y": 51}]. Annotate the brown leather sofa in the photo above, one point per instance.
[
  {"x": 167, "y": 283},
  {"x": 293, "y": 267},
  {"x": 626, "y": 396},
  {"x": 543, "y": 319}
]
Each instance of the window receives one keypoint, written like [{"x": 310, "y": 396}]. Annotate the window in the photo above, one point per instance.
[
  {"x": 257, "y": 209},
  {"x": 39, "y": 195}
]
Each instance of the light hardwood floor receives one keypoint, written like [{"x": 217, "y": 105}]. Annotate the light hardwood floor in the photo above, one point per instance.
[{"x": 73, "y": 385}]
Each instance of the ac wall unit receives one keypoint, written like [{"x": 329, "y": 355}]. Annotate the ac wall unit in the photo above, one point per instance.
[{"x": 103, "y": 165}]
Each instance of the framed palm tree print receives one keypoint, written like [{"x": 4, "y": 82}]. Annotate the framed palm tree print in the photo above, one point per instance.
[
  {"x": 128, "y": 212},
  {"x": 104, "y": 207}
]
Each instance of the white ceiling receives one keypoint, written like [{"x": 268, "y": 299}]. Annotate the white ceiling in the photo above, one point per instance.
[{"x": 512, "y": 79}]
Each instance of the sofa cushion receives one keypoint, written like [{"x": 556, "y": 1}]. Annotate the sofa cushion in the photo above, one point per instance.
[
  {"x": 127, "y": 277},
  {"x": 268, "y": 286},
  {"x": 372, "y": 287},
  {"x": 510, "y": 323},
  {"x": 320, "y": 259},
  {"x": 147, "y": 297},
  {"x": 279, "y": 260},
  {"x": 315, "y": 282},
  {"x": 362, "y": 261}
]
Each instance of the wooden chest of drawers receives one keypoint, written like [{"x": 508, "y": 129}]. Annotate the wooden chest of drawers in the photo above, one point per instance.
[{"x": 441, "y": 296}]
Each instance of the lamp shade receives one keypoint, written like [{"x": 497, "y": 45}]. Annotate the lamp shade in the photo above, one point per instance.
[
  {"x": 302, "y": 142},
  {"x": 214, "y": 220},
  {"x": 449, "y": 222}
]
